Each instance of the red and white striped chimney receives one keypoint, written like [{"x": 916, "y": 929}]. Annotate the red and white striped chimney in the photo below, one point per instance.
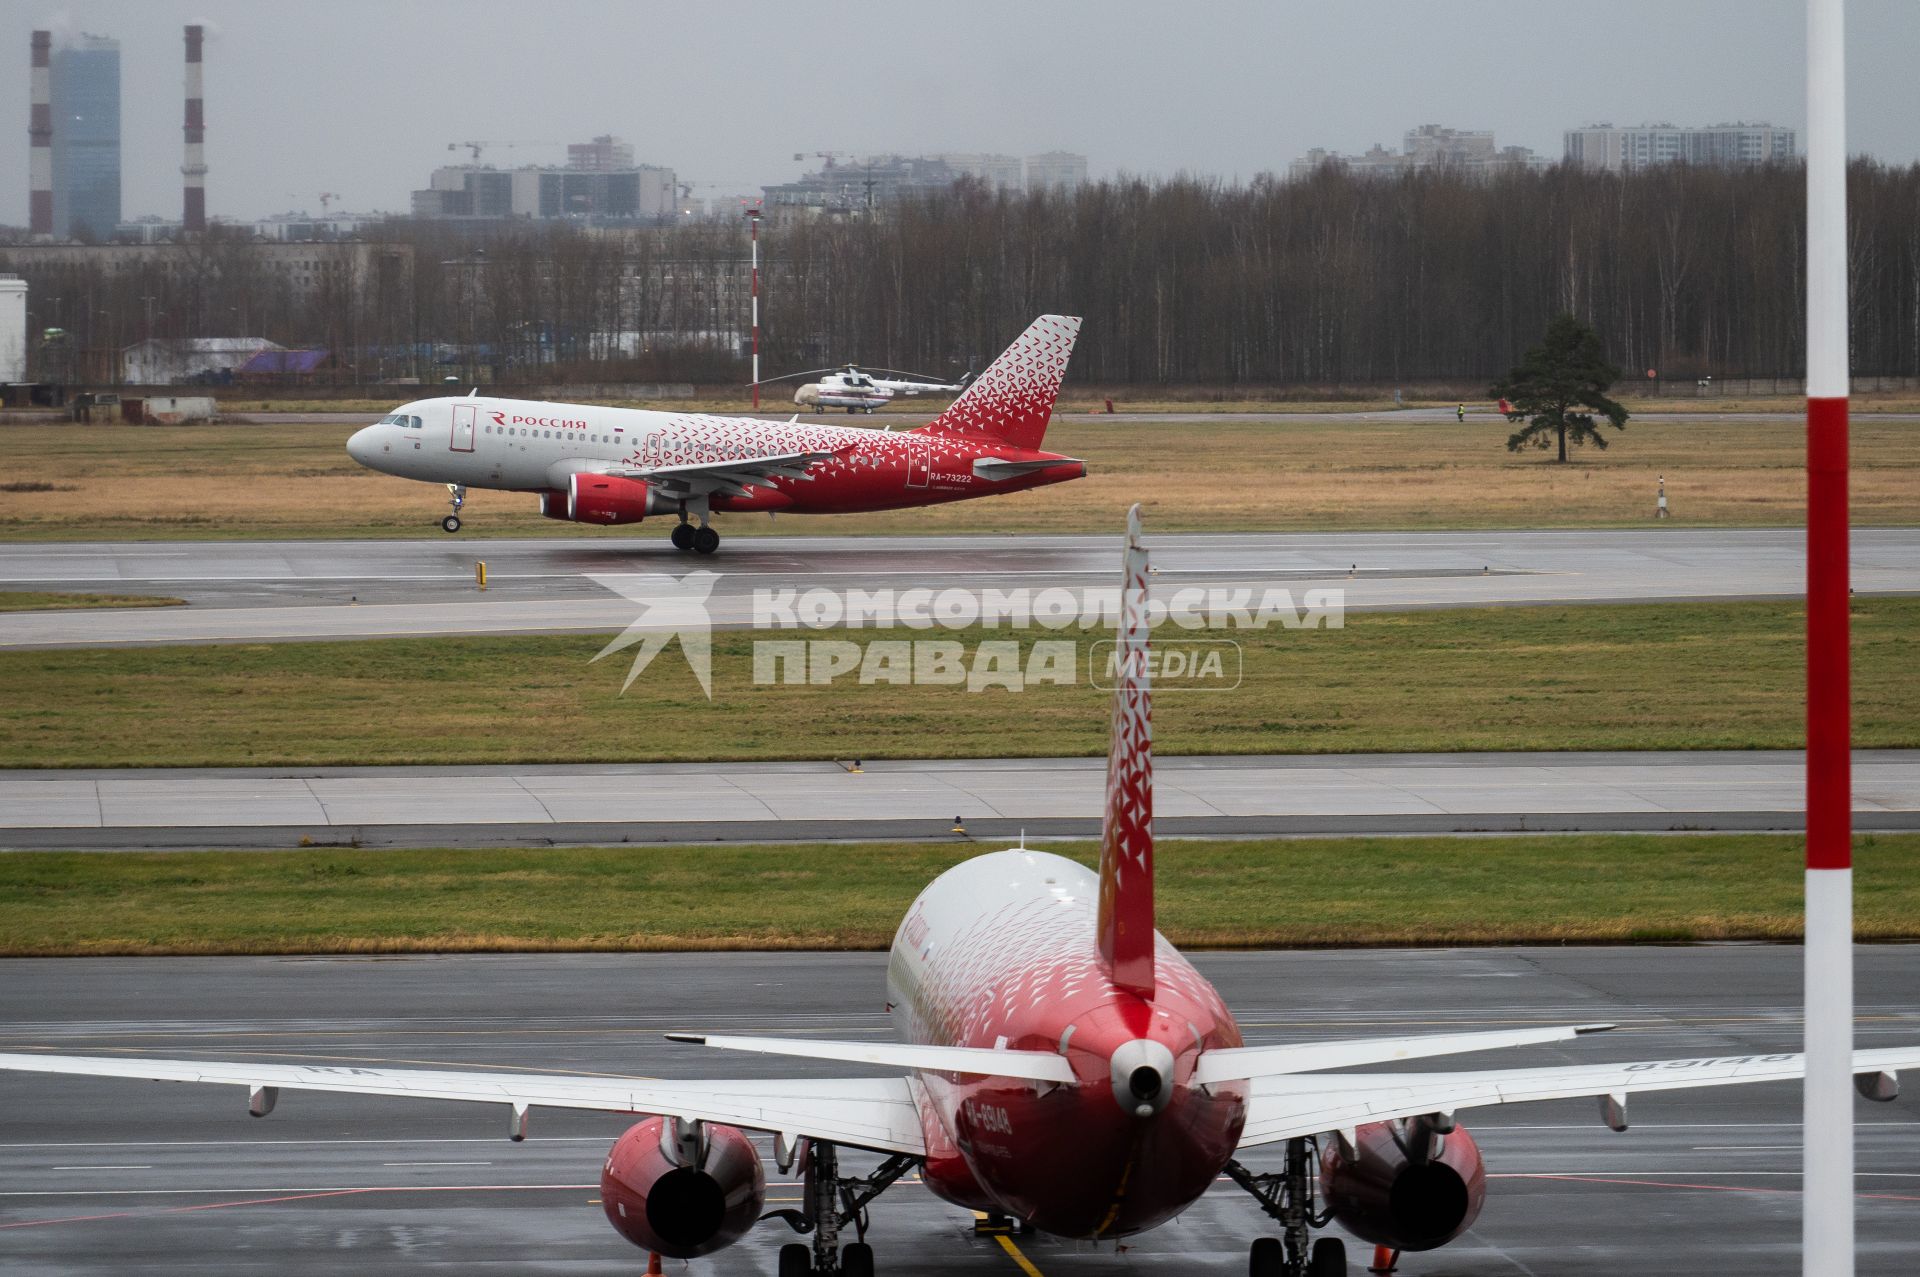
[
  {"x": 40, "y": 133},
  {"x": 194, "y": 214}
]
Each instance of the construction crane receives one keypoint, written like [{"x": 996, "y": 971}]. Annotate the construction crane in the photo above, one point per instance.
[{"x": 477, "y": 147}]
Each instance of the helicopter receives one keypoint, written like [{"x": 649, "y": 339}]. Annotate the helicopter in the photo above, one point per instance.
[{"x": 857, "y": 390}]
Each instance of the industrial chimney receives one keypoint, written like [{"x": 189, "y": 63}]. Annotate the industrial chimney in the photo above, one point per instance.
[
  {"x": 40, "y": 133},
  {"x": 194, "y": 215}
]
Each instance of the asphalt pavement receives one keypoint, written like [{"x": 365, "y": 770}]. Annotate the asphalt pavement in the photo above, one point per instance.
[
  {"x": 992, "y": 799},
  {"x": 288, "y": 590},
  {"x": 100, "y": 1176}
]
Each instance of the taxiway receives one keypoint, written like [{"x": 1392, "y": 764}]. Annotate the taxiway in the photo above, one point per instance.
[{"x": 108, "y": 1177}]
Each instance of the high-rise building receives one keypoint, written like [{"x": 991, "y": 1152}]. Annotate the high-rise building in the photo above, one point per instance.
[
  {"x": 1056, "y": 171},
  {"x": 1718, "y": 145},
  {"x": 1427, "y": 146},
  {"x": 86, "y": 137},
  {"x": 1000, "y": 172},
  {"x": 601, "y": 183}
]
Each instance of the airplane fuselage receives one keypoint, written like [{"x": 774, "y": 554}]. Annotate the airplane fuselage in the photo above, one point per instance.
[
  {"x": 530, "y": 446},
  {"x": 1001, "y": 952}
]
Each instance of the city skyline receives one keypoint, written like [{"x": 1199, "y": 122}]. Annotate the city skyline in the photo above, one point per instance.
[{"x": 364, "y": 104}]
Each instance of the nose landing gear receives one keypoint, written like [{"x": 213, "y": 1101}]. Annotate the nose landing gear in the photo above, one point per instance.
[{"x": 457, "y": 497}]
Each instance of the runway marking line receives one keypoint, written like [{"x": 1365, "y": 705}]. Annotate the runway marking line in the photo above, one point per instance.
[
  {"x": 1014, "y": 1253},
  {"x": 1715, "y": 1188},
  {"x": 294, "y": 1197}
]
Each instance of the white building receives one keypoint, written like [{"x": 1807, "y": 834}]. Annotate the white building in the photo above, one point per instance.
[
  {"x": 172, "y": 362},
  {"x": 1056, "y": 171},
  {"x": 13, "y": 329},
  {"x": 1000, "y": 172},
  {"x": 1426, "y": 146},
  {"x": 1622, "y": 150}
]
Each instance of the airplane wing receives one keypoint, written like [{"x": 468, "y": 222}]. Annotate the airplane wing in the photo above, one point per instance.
[
  {"x": 870, "y": 1113},
  {"x": 733, "y": 478},
  {"x": 1297, "y": 1104}
]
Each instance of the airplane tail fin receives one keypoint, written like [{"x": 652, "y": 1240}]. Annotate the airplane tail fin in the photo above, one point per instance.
[
  {"x": 1125, "y": 926},
  {"x": 1012, "y": 400}
]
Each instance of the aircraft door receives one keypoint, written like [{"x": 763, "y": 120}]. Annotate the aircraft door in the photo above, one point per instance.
[
  {"x": 463, "y": 417},
  {"x": 919, "y": 463}
]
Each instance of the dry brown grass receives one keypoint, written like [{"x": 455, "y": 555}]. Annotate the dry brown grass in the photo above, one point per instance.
[{"x": 1307, "y": 472}]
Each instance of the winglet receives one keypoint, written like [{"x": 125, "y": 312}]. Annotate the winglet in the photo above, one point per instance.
[{"x": 1125, "y": 926}]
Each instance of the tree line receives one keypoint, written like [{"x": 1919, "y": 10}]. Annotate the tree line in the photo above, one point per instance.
[{"x": 1334, "y": 279}]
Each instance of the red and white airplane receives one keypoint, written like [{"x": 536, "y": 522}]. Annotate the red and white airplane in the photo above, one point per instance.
[
  {"x": 1062, "y": 1065},
  {"x": 621, "y": 465}
]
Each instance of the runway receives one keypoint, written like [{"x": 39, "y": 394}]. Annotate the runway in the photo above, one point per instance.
[
  {"x": 996, "y": 800},
  {"x": 291, "y": 590},
  {"x": 110, "y": 1177}
]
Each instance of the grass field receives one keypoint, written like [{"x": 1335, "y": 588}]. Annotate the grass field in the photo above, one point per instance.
[
  {"x": 1320, "y": 473},
  {"x": 1356, "y": 891},
  {"x": 1658, "y": 676},
  {"x": 43, "y": 601}
]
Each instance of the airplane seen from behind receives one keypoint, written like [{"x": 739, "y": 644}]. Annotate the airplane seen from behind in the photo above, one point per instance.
[
  {"x": 621, "y": 465},
  {"x": 858, "y": 390},
  {"x": 1063, "y": 1066}
]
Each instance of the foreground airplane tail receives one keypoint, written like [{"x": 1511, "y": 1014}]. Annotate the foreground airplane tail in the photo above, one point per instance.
[
  {"x": 1125, "y": 925},
  {"x": 1012, "y": 400}
]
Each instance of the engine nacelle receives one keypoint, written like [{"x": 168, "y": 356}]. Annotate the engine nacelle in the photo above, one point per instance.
[
  {"x": 682, "y": 1189},
  {"x": 1409, "y": 1185},
  {"x": 604, "y": 499}
]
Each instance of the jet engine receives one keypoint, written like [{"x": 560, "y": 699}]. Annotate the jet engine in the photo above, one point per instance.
[
  {"x": 682, "y": 1189},
  {"x": 1409, "y": 1185},
  {"x": 604, "y": 499}
]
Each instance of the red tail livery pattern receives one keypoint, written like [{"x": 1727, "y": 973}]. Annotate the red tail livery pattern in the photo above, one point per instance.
[
  {"x": 1126, "y": 835},
  {"x": 1013, "y": 399}
]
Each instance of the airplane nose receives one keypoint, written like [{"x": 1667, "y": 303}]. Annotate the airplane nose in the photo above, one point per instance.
[{"x": 360, "y": 445}]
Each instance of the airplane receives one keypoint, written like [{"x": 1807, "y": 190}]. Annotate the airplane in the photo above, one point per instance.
[
  {"x": 858, "y": 390},
  {"x": 1062, "y": 1067},
  {"x": 607, "y": 466}
]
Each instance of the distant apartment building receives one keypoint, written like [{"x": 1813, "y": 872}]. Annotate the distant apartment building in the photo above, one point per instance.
[
  {"x": 853, "y": 185},
  {"x": 84, "y": 76},
  {"x": 1056, "y": 171},
  {"x": 1000, "y": 172},
  {"x": 1426, "y": 146},
  {"x": 600, "y": 183},
  {"x": 1621, "y": 150}
]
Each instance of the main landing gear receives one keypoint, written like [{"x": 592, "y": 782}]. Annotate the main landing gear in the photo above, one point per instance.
[
  {"x": 457, "y": 497},
  {"x": 701, "y": 540},
  {"x": 830, "y": 1202},
  {"x": 1288, "y": 1197}
]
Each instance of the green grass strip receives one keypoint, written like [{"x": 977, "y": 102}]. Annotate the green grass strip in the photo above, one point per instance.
[
  {"x": 1658, "y": 676},
  {"x": 1586, "y": 888}
]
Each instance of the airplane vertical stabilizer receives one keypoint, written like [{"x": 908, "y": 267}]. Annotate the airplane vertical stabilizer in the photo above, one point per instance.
[
  {"x": 1126, "y": 835},
  {"x": 1013, "y": 399}
]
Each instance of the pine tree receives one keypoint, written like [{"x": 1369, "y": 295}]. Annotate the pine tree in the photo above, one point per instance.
[{"x": 1566, "y": 372}]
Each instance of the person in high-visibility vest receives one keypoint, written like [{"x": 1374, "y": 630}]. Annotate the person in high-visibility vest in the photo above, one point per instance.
[{"x": 1460, "y": 413}]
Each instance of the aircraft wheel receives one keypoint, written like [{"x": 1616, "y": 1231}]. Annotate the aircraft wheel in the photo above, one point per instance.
[
  {"x": 795, "y": 1260},
  {"x": 706, "y": 540},
  {"x": 683, "y": 536},
  {"x": 1329, "y": 1258},
  {"x": 857, "y": 1260},
  {"x": 450, "y": 524},
  {"x": 1267, "y": 1258}
]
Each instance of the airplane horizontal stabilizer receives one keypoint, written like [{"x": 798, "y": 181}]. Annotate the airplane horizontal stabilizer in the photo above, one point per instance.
[
  {"x": 1038, "y": 1066},
  {"x": 1238, "y": 1063}
]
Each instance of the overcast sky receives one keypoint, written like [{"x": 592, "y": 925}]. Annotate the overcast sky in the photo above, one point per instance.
[{"x": 360, "y": 98}]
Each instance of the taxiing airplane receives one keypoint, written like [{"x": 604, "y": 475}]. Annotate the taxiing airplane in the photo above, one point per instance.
[
  {"x": 621, "y": 465},
  {"x": 1063, "y": 1066},
  {"x": 858, "y": 390}
]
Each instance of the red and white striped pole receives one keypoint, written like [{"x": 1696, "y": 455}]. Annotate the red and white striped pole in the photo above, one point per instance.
[
  {"x": 40, "y": 138},
  {"x": 1827, "y": 1114},
  {"x": 753, "y": 221},
  {"x": 193, "y": 200}
]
